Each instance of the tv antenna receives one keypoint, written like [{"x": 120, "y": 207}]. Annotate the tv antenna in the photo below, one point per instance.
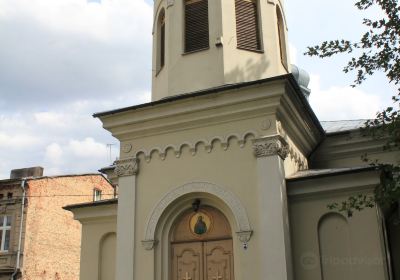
[{"x": 109, "y": 147}]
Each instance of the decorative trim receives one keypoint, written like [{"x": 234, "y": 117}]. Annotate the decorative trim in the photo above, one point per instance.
[
  {"x": 149, "y": 244},
  {"x": 127, "y": 148},
  {"x": 271, "y": 146},
  {"x": 126, "y": 167},
  {"x": 209, "y": 145},
  {"x": 242, "y": 221},
  {"x": 170, "y": 3},
  {"x": 244, "y": 236}
]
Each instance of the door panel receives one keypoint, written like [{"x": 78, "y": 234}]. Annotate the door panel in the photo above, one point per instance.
[
  {"x": 211, "y": 260},
  {"x": 187, "y": 261},
  {"x": 218, "y": 260}
]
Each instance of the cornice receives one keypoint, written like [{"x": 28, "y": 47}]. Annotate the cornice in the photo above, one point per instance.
[
  {"x": 351, "y": 145},
  {"x": 200, "y": 111},
  {"x": 300, "y": 127},
  {"x": 359, "y": 180},
  {"x": 279, "y": 97}
]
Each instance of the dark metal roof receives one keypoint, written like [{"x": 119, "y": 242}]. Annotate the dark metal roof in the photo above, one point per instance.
[{"x": 91, "y": 204}]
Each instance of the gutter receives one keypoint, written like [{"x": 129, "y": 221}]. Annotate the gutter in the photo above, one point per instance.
[{"x": 18, "y": 265}]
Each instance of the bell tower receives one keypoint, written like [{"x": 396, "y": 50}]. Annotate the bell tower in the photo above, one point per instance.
[{"x": 201, "y": 44}]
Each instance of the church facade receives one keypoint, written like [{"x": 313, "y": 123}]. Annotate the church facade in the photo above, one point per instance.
[{"x": 227, "y": 173}]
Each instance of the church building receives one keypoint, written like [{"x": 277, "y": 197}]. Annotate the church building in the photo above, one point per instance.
[{"x": 227, "y": 173}]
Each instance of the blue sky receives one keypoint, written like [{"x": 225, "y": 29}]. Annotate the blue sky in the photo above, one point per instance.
[{"x": 61, "y": 61}]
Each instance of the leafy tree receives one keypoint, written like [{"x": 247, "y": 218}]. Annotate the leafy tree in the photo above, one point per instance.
[{"x": 378, "y": 50}]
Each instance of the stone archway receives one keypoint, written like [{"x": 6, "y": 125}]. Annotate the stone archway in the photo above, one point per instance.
[{"x": 242, "y": 226}]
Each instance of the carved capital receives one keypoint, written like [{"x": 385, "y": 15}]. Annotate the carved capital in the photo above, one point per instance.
[
  {"x": 149, "y": 244},
  {"x": 244, "y": 236},
  {"x": 271, "y": 146},
  {"x": 126, "y": 167}
]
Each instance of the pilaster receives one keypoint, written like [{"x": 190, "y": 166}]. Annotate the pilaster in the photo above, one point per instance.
[
  {"x": 126, "y": 170},
  {"x": 274, "y": 235}
]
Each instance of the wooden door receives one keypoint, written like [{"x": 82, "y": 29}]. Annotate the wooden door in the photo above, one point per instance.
[
  {"x": 211, "y": 260},
  {"x": 187, "y": 261},
  {"x": 202, "y": 247},
  {"x": 218, "y": 260}
]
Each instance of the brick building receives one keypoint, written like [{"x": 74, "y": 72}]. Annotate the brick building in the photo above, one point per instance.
[{"x": 43, "y": 241}]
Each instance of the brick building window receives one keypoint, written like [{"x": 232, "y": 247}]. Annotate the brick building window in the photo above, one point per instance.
[
  {"x": 96, "y": 195},
  {"x": 5, "y": 233}
]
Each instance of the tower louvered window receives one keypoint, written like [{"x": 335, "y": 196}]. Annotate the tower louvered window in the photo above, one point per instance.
[
  {"x": 247, "y": 26},
  {"x": 281, "y": 35},
  {"x": 162, "y": 42},
  {"x": 160, "y": 62},
  {"x": 196, "y": 25}
]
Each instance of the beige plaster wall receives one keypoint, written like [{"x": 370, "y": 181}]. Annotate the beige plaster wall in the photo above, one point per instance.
[
  {"x": 329, "y": 245},
  {"x": 95, "y": 253},
  {"x": 234, "y": 170}
]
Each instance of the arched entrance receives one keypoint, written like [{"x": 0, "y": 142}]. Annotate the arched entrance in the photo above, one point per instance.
[{"x": 201, "y": 244}]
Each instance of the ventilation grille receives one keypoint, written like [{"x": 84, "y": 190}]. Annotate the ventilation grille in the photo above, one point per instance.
[
  {"x": 247, "y": 28},
  {"x": 196, "y": 25}
]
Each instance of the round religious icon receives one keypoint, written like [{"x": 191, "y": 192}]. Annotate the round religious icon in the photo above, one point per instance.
[{"x": 200, "y": 223}]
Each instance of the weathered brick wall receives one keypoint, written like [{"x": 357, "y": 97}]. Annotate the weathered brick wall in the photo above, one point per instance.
[{"x": 53, "y": 238}]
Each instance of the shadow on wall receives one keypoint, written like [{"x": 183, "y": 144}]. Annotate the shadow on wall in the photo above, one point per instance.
[{"x": 252, "y": 70}]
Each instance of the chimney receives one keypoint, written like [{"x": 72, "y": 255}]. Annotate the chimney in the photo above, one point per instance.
[{"x": 26, "y": 172}]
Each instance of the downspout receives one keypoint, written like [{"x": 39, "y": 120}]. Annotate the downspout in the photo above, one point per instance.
[{"x": 17, "y": 267}]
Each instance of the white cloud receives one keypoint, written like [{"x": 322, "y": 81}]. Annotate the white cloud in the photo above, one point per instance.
[
  {"x": 293, "y": 53},
  {"x": 61, "y": 61},
  {"x": 87, "y": 148},
  {"x": 342, "y": 102},
  {"x": 17, "y": 141},
  {"x": 68, "y": 50},
  {"x": 49, "y": 119},
  {"x": 54, "y": 154}
]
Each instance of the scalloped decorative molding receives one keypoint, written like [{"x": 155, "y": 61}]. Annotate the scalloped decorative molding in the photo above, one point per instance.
[
  {"x": 244, "y": 230},
  {"x": 193, "y": 147}
]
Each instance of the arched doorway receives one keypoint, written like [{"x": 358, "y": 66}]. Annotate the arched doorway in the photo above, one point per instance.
[{"x": 201, "y": 244}]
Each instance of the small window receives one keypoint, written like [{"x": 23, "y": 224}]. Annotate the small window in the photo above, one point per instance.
[
  {"x": 5, "y": 233},
  {"x": 161, "y": 41},
  {"x": 9, "y": 195},
  {"x": 1, "y": 196},
  {"x": 247, "y": 26},
  {"x": 196, "y": 25},
  {"x": 282, "y": 39},
  {"x": 96, "y": 195}
]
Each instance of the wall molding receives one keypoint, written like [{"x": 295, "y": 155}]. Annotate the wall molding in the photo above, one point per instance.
[{"x": 209, "y": 145}]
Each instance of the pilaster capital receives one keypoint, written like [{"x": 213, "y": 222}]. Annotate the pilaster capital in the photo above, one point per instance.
[
  {"x": 126, "y": 167},
  {"x": 271, "y": 146},
  {"x": 149, "y": 244}
]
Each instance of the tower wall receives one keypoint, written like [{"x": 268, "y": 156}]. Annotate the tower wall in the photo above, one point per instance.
[{"x": 223, "y": 62}]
